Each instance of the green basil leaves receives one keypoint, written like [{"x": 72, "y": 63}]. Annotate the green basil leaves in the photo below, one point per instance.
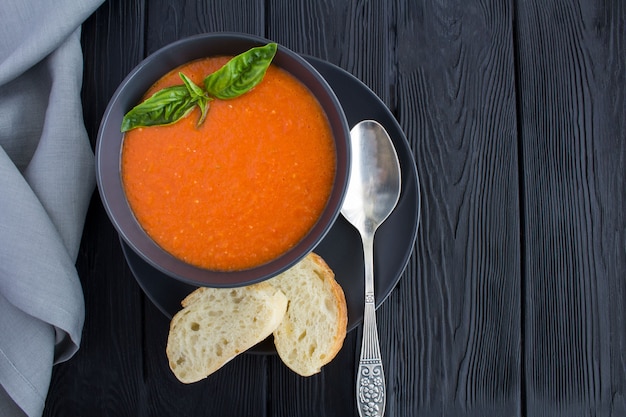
[
  {"x": 241, "y": 73},
  {"x": 238, "y": 76},
  {"x": 165, "y": 107}
]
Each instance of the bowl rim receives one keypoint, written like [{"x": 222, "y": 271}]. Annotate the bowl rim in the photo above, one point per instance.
[{"x": 110, "y": 188}]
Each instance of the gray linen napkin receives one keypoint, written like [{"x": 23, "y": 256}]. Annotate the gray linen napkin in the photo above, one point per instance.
[{"x": 46, "y": 181}]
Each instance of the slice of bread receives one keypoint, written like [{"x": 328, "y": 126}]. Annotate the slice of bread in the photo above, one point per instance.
[
  {"x": 314, "y": 328},
  {"x": 217, "y": 324}
]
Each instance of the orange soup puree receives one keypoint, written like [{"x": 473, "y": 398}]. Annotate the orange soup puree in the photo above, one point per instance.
[{"x": 245, "y": 186}]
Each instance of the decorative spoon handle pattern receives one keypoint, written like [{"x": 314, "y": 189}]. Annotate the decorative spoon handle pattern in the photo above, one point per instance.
[{"x": 371, "y": 395}]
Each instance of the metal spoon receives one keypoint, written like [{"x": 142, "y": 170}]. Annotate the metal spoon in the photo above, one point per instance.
[{"x": 372, "y": 194}]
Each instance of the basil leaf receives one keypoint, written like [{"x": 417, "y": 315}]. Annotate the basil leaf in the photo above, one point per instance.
[
  {"x": 199, "y": 96},
  {"x": 169, "y": 105},
  {"x": 164, "y": 107},
  {"x": 241, "y": 73}
]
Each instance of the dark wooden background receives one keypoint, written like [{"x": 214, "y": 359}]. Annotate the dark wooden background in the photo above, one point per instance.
[{"x": 513, "y": 303}]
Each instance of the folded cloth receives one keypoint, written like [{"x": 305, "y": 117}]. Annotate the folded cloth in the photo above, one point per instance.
[{"x": 46, "y": 181}]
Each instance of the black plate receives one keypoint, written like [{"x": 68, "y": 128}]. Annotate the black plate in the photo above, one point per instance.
[{"x": 341, "y": 248}]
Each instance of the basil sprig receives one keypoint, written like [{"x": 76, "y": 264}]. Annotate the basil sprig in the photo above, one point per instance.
[{"x": 238, "y": 76}]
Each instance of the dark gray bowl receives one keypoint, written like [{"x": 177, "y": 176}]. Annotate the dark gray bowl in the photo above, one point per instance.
[{"x": 110, "y": 138}]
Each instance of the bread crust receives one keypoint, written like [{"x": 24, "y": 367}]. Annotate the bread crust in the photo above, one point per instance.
[
  {"x": 306, "y": 363},
  {"x": 304, "y": 307},
  {"x": 340, "y": 303}
]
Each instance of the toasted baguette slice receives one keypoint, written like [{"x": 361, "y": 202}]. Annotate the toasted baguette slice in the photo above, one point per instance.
[
  {"x": 314, "y": 328},
  {"x": 216, "y": 324}
]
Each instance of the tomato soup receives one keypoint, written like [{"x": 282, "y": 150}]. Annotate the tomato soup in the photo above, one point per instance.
[{"x": 242, "y": 188}]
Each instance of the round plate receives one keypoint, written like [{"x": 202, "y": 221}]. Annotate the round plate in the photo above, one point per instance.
[{"x": 341, "y": 248}]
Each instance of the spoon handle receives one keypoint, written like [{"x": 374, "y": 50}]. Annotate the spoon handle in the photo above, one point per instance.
[{"x": 370, "y": 380}]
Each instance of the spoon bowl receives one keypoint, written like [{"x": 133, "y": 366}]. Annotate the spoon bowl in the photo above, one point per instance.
[
  {"x": 372, "y": 194},
  {"x": 374, "y": 186}
]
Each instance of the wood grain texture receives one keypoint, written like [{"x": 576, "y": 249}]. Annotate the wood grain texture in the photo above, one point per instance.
[
  {"x": 514, "y": 300},
  {"x": 121, "y": 368},
  {"x": 354, "y": 35},
  {"x": 111, "y": 338},
  {"x": 331, "y": 393},
  {"x": 458, "y": 318},
  {"x": 101, "y": 378},
  {"x": 319, "y": 29},
  {"x": 571, "y": 86},
  {"x": 171, "y": 20},
  {"x": 245, "y": 377},
  {"x": 106, "y": 63}
]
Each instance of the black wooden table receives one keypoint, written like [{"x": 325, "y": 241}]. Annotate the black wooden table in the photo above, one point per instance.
[{"x": 514, "y": 299}]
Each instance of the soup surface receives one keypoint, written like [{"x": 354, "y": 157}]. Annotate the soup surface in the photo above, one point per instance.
[{"x": 242, "y": 188}]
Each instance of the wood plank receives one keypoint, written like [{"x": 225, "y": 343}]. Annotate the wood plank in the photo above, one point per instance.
[
  {"x": 111, "y": 337},
  {"x": 458, "y": 350},
  {"x": 571, "y": 60},
  {"x": 455, "y": 329},
  {"x": 356, "y": 36},
  {"x": 142, "y": 384},
  {"x": 353, "y": 35},
  {"x": 237, "y": 389},
  {"x": 113, "y": 43},
  {"x": 327, "y": 394},
  {"x": 104, "y": 378},
  {"x": 170, "y": 20},
  {"x": 240, "y": 388},
  {"x": 452, "y": 335}
]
